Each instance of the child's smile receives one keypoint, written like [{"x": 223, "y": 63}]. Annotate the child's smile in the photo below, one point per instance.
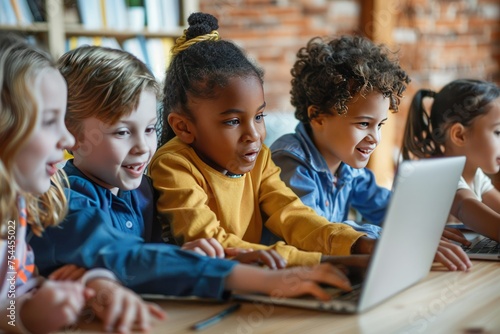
[
  {"x": 135, "y": 170},
  {"x": 351, "y": 138}
]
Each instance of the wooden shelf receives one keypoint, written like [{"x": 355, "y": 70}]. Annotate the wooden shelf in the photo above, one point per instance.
[
  {"x": 79, "y": 30},
  {"x": 55, "y": 31},
  {"x": 36, "y": 27}
]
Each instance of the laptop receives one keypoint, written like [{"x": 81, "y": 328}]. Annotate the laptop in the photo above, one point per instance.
[
  {"x": 481, "y": 247},
  {"x": 414, "y": 222}
]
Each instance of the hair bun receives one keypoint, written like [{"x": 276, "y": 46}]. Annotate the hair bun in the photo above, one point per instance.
[{"x": 200, "y": 24}]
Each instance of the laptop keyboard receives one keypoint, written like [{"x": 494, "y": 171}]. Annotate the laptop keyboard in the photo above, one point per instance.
[
  {"x": 339, "y": 294},
  {"x": 485, "y": 246},
  {"x": 351, "y": 295}
]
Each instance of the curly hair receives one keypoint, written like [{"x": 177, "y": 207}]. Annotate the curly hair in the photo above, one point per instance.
[
  {"x": 460, "y": 101},
  {"x": 21, "y": 67},
  {"x": 201, "y": 63},
  {"x": 328, "y": 74}
]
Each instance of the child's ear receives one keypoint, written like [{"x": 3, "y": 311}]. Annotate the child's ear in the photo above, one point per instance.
[
  {"x": 457, "y": 134},
  {"x": 181, "y": 126},
  {"x": 315, "y": 117}
]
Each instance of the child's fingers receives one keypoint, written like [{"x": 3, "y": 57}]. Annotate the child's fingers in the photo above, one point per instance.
[
  {"x": 198, "y": 250},
  {"x": 109, "y": 308},
  {"x": 129, "y": 311},
  {"x": 88, "y": 294},
  {"x": 156, "y": 311},
  {"x": 76, "y": 302},
  {"x": 274, "y": 260},
  {"x": 444, "y": 261},
  {"x": 329, "y": 274},
  {"x": 219, "y": 250},
  {"x": 68, "y": 272},
  {"x": 207, "y": 247},
  {"x": 314, "y": 290},
  {"x": 234, "y": 251},
  {"x": 446, "y": 257},
  {"x": 69, "y": 314},
  {"x": 452, "y": 256},
  {"x": 263, "y": 257},
  {"x": 278, "y": 259},
  {"x": 455, "y": 235}
]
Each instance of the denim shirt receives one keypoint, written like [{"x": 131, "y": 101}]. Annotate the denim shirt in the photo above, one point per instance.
[
  {"x": 121, "y": 233},
  {"x": 125, "y": 209},
  {"x": 304, "y": 169}
]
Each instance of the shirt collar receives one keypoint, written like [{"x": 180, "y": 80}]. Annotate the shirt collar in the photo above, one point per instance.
[
  {"x": 72, "y": 170},
  {"x": 318, "y": 163}
]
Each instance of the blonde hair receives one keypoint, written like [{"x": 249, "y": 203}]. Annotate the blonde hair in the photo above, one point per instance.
[
  {"x": 103, "y": 83},
  {"x": 20, "y": 67}
]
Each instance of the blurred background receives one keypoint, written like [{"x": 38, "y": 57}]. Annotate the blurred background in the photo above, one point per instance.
[{"x": 436, "y": 40}]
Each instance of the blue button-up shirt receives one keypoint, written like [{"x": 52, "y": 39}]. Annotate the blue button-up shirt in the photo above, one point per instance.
[
  {"x": 119, "y": 233},
  {"x": 304, "y": 169}
]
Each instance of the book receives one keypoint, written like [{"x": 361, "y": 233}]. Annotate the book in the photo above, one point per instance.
[
  {"x": 25, "y": 12},
  {"x": 7, "y": 14},
  {"x": 153, "y": 15},
  {"x": 90, "y": 13},
  {"x": 170, "y": 14},
  {"x": 37, "y": 10}
]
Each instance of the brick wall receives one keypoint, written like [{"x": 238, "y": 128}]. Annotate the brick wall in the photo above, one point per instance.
[
  {"x": 437, "y": 40},
  {"x": 273, "y": 31}
]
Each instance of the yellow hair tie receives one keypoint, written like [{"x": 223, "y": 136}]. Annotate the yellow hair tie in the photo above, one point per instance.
[{"x": 181, "y": 44}]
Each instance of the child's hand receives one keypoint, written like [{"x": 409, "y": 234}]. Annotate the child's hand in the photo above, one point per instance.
[
  {"x": 452, "y": 256},
  {"x": 269, "y": 258},
  {"x": 53, "y": 306},
  {"x": 354, "y": 266},
  {"x": 305, "y": 280},
  {"x": 69, "y": 272},
  {"x": 454, "y": 234},
  {"x": 119, "y": 308},
  {"x": 363, "y": 245},
  {"x": 208, "y": 247}
]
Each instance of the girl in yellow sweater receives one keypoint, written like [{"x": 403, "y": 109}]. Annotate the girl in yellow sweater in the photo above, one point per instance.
[{"x": 214, "y": 176}]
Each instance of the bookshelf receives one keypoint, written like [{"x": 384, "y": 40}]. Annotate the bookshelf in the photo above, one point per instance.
[{"x": 58, "y": 35}]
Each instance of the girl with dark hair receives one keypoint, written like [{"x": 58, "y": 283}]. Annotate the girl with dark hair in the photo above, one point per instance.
[{"x": 464, "y": 120}]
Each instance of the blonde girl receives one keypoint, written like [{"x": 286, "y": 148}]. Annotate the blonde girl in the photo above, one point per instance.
[{"x": 33, "y": 137}]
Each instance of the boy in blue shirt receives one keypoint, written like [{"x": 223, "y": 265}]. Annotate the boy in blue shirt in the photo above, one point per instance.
[
  {"x": 324, "y": 160},
  {"x": 342, "y": 90}
]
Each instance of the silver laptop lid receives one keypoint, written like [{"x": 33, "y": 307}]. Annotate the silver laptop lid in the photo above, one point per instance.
[{"x": 417, "y": 213}]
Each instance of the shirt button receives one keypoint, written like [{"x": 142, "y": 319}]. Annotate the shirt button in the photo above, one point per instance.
[
  {"x": 327, "y": 203},
  {"x": 129, "y": 224}
]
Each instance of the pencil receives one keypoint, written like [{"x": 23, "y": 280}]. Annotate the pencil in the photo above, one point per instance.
[{"x": 216, "y": 318}]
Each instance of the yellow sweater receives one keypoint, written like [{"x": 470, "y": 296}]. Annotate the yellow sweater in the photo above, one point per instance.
[{"x": 196, "y": 201}]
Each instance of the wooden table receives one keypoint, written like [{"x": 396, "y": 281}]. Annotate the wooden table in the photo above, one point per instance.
[{"x": 444, "y": 302}]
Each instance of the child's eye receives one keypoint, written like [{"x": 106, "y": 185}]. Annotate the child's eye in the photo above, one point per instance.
[
  {"x": 363, "y": 124},
  {"x": 49, "y": 122},
  {"x": 260, "y": 117},
  {"x": 151, "y": 129},
  {"x": 380, "y": 125},
  {"x": 497, "y": 133},
  {"x": 122, "y": 133},
  {"x": 232, "y": 122}
]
